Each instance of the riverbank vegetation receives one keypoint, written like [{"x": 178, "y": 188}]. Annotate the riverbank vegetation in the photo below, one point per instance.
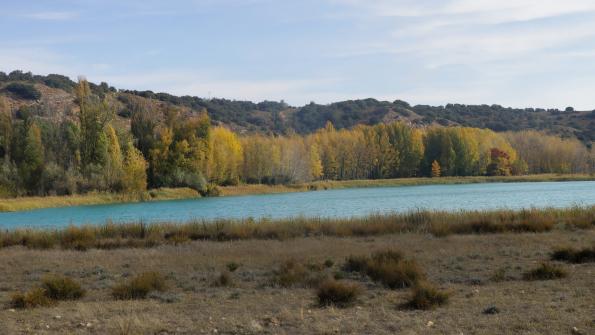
[
  {"x": 94, "y": 198},
  {"x": 94, "y": 151},
  {"x": 139, "y": 234}
]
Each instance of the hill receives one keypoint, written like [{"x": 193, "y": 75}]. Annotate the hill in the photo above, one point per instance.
[{"x": 52, "y": 96}]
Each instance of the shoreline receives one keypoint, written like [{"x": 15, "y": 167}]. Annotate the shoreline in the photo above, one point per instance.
[{"x": 31, "y": 203}]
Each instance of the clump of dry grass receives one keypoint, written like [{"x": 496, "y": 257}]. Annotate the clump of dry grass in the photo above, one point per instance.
[
  {"x": 292, "y": 273},
  {"x": 62, "y": 288},
  {"x": 425, "y": 296},
  {"x": 35, "y": 297},
  {"x": 577, "y": 256},
  {"x": 337, "y": 293},
  {"x": 545, "y": 272},
  {"x": 52, "y": 289},
  {"x": 140, "y": 286},
  {"x": 388, "y": 267}
]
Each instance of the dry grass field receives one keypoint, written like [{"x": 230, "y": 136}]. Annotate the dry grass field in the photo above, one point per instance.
[{"x": 482, "y": 274}]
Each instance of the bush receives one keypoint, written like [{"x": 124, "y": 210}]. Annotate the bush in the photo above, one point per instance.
[
  {"x": 292, "y": 273},
  {"x": 337, "y": 293},
  {"x": 426, "y": 296},
  {"x": 545, "y": 272},
  {"x": 585, "y": 255},
  {"x": 224, "y": 279},
  {"x": 62, "y": 288},
  {"x": 140, "y": 286},
  {"x": 33, "y": 298},
  {"x": 387, "y": 267},
  {"x": 400, "y": 274},
  {"x": 23, "y": 91},
  {"x": 355, "y": 264}
]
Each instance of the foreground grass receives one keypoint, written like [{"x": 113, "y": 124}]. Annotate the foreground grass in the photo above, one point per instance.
[
  {"x": 459, "y": 269},
  {"x": 139, "y": 234},
  {"x": 29, "y": 203}
]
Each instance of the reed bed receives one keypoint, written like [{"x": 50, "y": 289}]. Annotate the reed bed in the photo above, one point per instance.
[{"x": 141, "y": 235}]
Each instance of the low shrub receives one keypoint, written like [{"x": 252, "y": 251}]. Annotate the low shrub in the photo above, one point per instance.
[
  {"x": 388, "y": 267},
  {"x": 545, "y": 272},
  {"x": 395, "y": 274},
  {"x": 356, "y": 264},
  {"x": 426, "y": 296},
  {"x": 35, "y": 297},
  {"x": 577, "y": 256},
  {"x": 140, "y": 286},
  {"x": 224, "y": 279},
  {"x": 292, "y": 273},
  {"x": 337, "y": 293},
  {"x": 62, "y": 288}
]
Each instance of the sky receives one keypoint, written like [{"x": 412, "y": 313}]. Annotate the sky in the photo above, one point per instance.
[{"x": 519, "y": 53}]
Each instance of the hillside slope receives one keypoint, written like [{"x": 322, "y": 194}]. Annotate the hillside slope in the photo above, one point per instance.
[{"x": 52, "y": 97}]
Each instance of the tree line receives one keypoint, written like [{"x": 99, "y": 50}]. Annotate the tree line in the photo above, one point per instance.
[{"x": 95, "y": 151}]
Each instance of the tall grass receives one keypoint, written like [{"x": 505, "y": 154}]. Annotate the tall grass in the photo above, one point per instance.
[
  {"x": 29, "y": 203},
  {"x": 138, "y": 234}
]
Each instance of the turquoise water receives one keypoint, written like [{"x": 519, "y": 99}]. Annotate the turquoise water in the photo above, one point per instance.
[{"x": 331, "y": 203}]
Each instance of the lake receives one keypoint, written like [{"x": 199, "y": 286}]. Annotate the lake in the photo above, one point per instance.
[{"x": 329, "y": 203}]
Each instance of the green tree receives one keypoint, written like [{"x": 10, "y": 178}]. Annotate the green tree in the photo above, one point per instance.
[
  {"x": 33, "y": 161},
  {"x": 5, "y": 131},
  {"x": 94, "y": 115}
]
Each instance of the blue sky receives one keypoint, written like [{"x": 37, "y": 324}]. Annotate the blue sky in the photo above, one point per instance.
[{"x": 517, "y": 53}]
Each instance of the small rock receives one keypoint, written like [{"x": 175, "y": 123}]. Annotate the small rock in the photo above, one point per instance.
[
  {"x": 58, "y": 317},
  {"x": 12, "y": 310},
  {"x": 430, "y": 323},
  {"x": 491, "y": 310},
  {"x": 89, "y": 325}
]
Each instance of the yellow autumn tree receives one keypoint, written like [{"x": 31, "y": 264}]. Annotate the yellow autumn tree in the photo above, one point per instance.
[
  {"x": 225, "y": 157},
  {"x": 134, "y": 180},
  {"x": 113, "y": 167}
]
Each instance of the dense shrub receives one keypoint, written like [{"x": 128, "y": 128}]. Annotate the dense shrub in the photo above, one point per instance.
[
  {"x": 62, "y": 288},
  {"x": 426, "y": 296},
  {"x": 140, "y": 286},
  {"x": 545, "y": 272},
  {"x": 23, "y": 91},
  {"x": 337, "y": 293}
]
